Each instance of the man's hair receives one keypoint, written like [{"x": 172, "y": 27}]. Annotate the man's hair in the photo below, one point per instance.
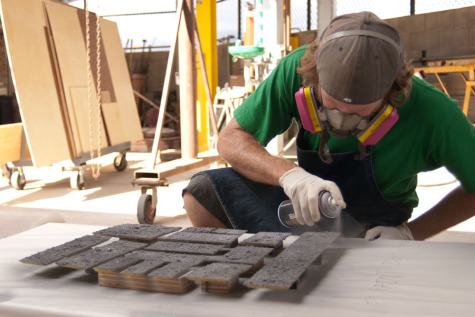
[{"x": 397, "y": 95}]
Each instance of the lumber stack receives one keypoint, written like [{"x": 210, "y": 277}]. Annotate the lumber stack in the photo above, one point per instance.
[
  {"x": 47, "y": 53},
  {"x": 170, "y": 260}
]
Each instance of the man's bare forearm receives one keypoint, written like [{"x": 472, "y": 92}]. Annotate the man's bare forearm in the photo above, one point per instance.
[
  {"x": 453, "y": 209},
  {"x": 250, "y": 158}
]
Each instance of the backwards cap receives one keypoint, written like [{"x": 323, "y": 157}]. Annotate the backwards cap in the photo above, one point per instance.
[{"x": 358, "y": 58}]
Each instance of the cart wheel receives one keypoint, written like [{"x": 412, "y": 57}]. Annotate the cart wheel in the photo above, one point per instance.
[
  {"x": 145, "y": 210},
  {"x": 17, "y": 180},
  {"x": 77, "y": 180},
  {"x": 120, "y": 162}
]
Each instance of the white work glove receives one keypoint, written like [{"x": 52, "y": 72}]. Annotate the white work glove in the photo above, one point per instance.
[
  {"x": 303, "y": 190},
  {"x": 401, "y": 232}
]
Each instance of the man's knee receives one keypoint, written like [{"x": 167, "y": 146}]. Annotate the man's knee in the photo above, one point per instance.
[
  {"x": 199, "y": 215},
  {"x": 189, "y": 202}
]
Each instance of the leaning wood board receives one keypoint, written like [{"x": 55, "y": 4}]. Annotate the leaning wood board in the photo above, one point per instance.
[
  {"x": 70, "y": 50},
  {"x": 24, "y": 28},
  {"x": 123, "y": 113},
  {"x": 47, "y": 54},
  {"x": 153, "y": 266},
  {"x": 10, "y": 143}
]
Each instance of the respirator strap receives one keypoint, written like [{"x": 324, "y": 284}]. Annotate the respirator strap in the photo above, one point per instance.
[
  {"x": 323, "y": 150},
  {"x": 363, "y": 152}
]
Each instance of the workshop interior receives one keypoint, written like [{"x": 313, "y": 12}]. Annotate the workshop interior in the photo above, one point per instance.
[{"x": 108, "y": 108}]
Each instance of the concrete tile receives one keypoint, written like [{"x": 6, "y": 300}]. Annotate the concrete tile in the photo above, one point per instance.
[
  {"x": 450, "y": 39},
  {"x": 412, "y": 24},
  {"x": 439, "y": 20},
  {"x": 424, "y": 41},
  {"x": 464, "y": 18}
]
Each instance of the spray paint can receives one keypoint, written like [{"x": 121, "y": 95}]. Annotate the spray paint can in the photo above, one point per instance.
[{"x": 326, "y": 205}]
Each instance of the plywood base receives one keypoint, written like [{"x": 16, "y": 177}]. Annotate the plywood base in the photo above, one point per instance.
[{"x": 145, "y": 283}]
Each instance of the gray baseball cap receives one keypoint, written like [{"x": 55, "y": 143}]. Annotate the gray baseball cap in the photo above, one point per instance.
[{"x": 358, "y": 58}]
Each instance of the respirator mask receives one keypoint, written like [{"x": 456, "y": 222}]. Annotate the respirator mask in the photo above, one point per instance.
[{"x": 317, "y": 118}]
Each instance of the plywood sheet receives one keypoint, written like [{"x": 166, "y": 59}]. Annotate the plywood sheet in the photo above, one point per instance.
[
  {"x": 70, "y": 50},
  {"x": 126, "y": 106},
  {"x": 80, "y": 107},
  {"x": 10, "y": 143},
  {"x": 30, "y": 60},
  {"x": 112, "y": 118}
]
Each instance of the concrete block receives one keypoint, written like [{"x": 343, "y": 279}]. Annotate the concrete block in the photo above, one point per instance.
[
  {"x": 464, "y": 18},
  {"x": 277, "y": 275},
  {"x": 267, "y": 239},
  {"x": 142, "y": 268},
  {"x": 228, "y": 240},
  {"x": 413, "y": 55},
  {"x": 218, "y": 272},
  {"x": 136, "y": 231},
  {"x": 171, "y": 270},
  {"x": 439, "y": 21},
  {"x": 116, "y": 265},
  {"x": 54, "y": 254},
  {"x": 424, "y": 41},
  {"x": 412, "y": 24},
  {"x": 406, "y": 40},
  {"x": 472, "y": 37},
  {"x": 455, "y": 38},
  {"x": 185, "y": 247},
  {"x": 94, "y": 257},
  {"x": 245, "y": 255}
]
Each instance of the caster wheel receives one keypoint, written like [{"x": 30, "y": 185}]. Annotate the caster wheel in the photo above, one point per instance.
[
  {"x": 77, "y": 181},
  {"x": 145, "y": 210},
  {"x": 17, "y": 180},
  {"x": 120, "y": 162}
]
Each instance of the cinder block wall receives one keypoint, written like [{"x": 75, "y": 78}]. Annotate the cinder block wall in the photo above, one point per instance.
[{"x": 441, "y": 35}]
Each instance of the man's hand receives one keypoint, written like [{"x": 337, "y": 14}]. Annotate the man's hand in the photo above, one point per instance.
[
  {"x": 401, "y": 232},
  {"x": 303, "y": 189}
]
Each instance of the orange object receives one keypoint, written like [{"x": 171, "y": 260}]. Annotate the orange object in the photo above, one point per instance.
[{"x": 249, "y": 31}]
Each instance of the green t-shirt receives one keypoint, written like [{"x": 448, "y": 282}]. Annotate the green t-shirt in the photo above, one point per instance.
[{"x": 431, "y": 132}]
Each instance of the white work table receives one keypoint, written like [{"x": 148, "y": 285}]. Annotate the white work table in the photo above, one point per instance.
[{"x": 356, "y": 278}]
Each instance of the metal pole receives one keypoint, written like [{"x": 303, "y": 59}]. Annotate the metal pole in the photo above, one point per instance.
[
  {"x": 239, "y": 20},
  {"x": 166, "y": 87},
  {"x": 413, "y": 7},
  {"x": 309, "y": 15},
  {"x": 186, "y": 62}
]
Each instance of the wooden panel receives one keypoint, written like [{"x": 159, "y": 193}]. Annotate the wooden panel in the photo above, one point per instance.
[
  {"x": 72, "y": 59},
  {"x": 112, "y": 119},
  {"x": 30, "y": 61},
  {"x": 126, "y": 107},
  {"x": 80, "y": 115},
  {"x": 10, "y": 142}
]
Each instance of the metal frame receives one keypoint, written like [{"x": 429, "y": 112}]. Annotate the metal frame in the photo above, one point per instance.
[{"x": 454, "y": 66}]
